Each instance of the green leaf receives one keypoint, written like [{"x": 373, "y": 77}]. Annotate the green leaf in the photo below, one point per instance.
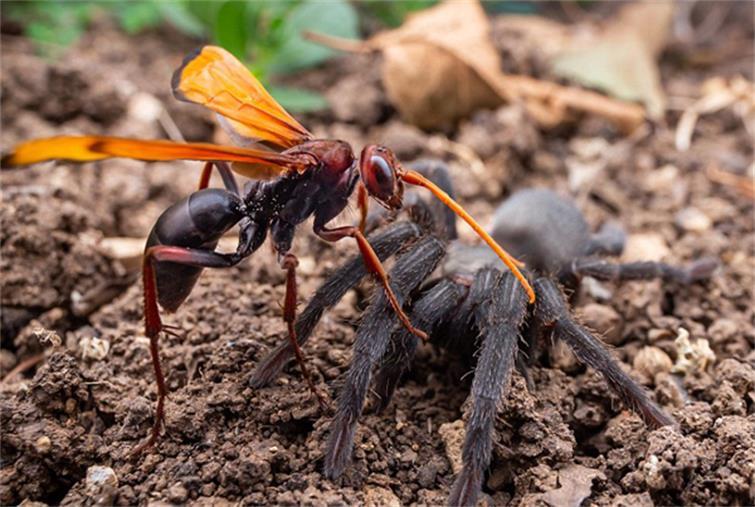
[
  {"x": 45, "y": 33},
  {"x": 392, "y": 14},
  {"x": 202, "y": 10},
  {"x": 178, "y": 15},
  {"x": 336, "y": 17},
  {"x": 137, "y": 16},
  {"x": 51, "y": 25},
  {"x": 230, "y": 29},
  {"x": 298, "y": 100}
]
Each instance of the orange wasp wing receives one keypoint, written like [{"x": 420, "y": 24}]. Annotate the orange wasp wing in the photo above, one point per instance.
[
  {"x": 258, "y": 164},
  {"x": 214, "y": 78}
]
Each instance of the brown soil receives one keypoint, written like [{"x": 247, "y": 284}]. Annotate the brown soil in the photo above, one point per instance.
[{"x": 566, "y": 440}]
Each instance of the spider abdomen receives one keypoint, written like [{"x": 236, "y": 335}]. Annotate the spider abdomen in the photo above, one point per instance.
[{"x": 541, "y": 228}]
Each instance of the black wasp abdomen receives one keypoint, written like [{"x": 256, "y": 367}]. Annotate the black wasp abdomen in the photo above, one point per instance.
[{"x": 198, "y": 221}]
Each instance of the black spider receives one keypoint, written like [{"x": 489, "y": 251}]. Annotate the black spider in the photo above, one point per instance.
[{"x": 473, "y": 302}]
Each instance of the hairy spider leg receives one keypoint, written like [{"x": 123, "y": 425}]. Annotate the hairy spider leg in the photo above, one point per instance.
[
  {"x": 385, "y": 243},
  {"x": 370, "y": 345},
  {"x": 429, "y": 310},
  {"x": 552, "y": 311},
  {"x": 229, "y": 180},
  {"x": 609, "y": 240},
  {"x": 700, "y": 269},
  {"x": 498, "y": 321}
]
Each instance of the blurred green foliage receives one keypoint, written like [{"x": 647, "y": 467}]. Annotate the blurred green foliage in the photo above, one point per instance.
[
  {"x": 392, "y": 13},
  {"x": 264, "y": 34}
]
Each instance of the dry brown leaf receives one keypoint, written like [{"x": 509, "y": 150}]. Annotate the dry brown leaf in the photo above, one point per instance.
[
  {"x": 441, "y": 65},
  {"x": 431, "y": 67}
]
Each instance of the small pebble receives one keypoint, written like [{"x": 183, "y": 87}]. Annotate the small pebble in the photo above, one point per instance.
[
  {"x": 662, "y": 179},
  {"x": 178, "y": 494},
  {"x": 604, "y": 320},
  {"x": 99, "y": 476},
  {"x": 563, "y": 358},
  {"x": 383, "y": 497},
  {"x": 645, "y": 247},
  {"x": 650, "y": 361},
  {"x": 692, "y": 220},
  {"x": 144, "y": 107},
  {"x": 452, "y": 435},
  {"x": 7, "y": 360},
  {"x": 723, "y": 330},
  {"x": 93, "y": 348},
  {"x": 692, "y": 356},
  {"x": 43, "y": 444}
]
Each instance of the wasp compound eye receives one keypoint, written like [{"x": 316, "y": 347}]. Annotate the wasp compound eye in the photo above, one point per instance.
[{"x": 380, "y": 179}]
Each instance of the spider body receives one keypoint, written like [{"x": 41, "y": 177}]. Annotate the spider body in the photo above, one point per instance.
[{"x": 475, "y": 305}]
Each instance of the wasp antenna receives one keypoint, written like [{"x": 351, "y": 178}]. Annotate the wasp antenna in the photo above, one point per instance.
[{"x": 414, "y": 178}]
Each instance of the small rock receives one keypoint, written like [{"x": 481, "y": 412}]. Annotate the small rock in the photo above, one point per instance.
[
  {"x": 722, "y": 330},
  {"x": 178, "y": 494},
  {"x": 144, "y": 107},
  {"x": 452, "y": 435},
  {"x": 427, "y": 473},
  {"x": 98, "y": 476},
  {"x": 692, "y": 356},
  {"x": 670, "y": 390},
  {"x": 605, "y": 320},
  {"x": 662, "y": 179},
  {"x": 307, "y": 265},
  {"x": 645, "y": 247},
  {"x": 575, "y": 485},
  {"x": 650, "y": 361},
  {"x": 692, "y": 220},
  {"x": 590, "y": 415},
  {"x": 7, "y": 361},
  {"x": 633, "y": 500},
  {"x": 408, "y": 456},
  {"x": 43, "y": 444},
  {"x": 93, "y": 348},
  {"x": 653, "y": 475},
  {"x": 100, "y": 485},
  {"x": 563, "y": 358},
  {"x": 31, "y": 503},
  {"x": 380, "y": 497}
]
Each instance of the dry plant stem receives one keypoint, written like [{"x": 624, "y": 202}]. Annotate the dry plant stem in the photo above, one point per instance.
[
  {"x": 626, "y": 114},
  {"x": 743, "y": 184},
  {"x": 21, "y": 367}
]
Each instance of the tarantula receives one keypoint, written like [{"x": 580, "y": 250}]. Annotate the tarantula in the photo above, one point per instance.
[{"x": 472, "y": 301}]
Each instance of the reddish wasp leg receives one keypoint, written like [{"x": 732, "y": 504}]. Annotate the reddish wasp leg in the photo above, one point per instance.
[
  {"x": 225, "y": 172},
  {"x": 415, "y": 178},
  {"x": 153, "y": 325},
  {"x": 374, "y": 266},
  {"x": 204, "y": 179},
  {"x": 289, "y": 262},
  {"x": 363, "y": 203}
]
